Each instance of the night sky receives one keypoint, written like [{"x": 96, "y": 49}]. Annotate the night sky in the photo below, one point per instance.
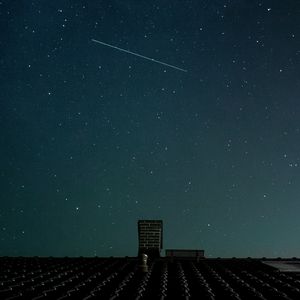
[{"x": 93, "y": 139}]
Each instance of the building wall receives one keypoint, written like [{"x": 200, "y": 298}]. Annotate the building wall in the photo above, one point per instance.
[{"x": 185, "y": 253}]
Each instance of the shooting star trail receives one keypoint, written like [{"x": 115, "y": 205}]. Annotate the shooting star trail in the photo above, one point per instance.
[{"x": 139, "y": 55}]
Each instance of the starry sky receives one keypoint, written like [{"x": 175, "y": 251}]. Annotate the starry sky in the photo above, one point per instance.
[{"x": 93, "y": 139}]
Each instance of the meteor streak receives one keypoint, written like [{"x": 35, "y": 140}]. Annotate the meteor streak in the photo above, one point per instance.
[{"x": 139, "y": 55}]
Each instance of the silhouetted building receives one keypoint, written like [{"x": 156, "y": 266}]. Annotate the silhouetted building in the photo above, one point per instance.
[
  {"x": 150, "y": 237},
  {"x": 93, "y": 278},
  {"x": 185, "y": 253}
]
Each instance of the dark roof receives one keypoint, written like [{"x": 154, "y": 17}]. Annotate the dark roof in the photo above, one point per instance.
[{"x": 121, "y": 278}]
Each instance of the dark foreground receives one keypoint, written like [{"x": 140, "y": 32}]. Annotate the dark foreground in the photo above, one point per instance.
[{"x": 120, "y": 278}]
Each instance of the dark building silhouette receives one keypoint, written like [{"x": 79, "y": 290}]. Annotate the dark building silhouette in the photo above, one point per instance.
[
  {"x": 182, "y": 274},
  {"x": 185, "y": 253},
  {"x": 150, "y": 237},
  {"x": 94, "y": 278}
]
